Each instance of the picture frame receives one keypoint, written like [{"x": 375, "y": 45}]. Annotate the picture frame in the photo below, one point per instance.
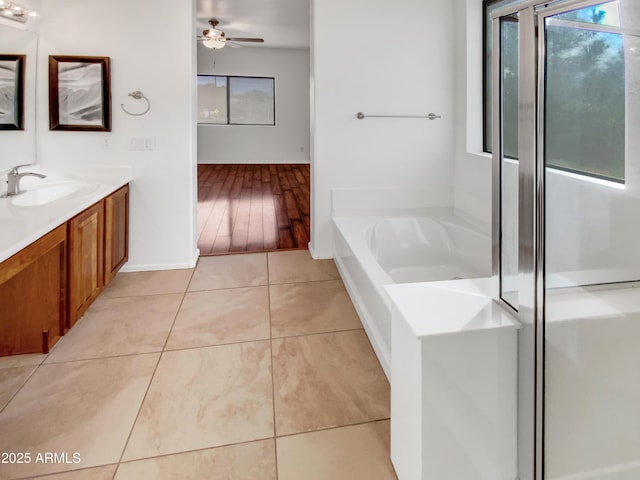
[
  {"x": 79, "y": 93},
  {"x": 12, "y": 91}
]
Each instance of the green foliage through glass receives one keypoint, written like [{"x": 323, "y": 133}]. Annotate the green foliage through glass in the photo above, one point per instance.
[{"x": 584, "y": 98}]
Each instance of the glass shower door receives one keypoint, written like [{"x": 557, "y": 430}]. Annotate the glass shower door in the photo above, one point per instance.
[
  {"x": 589, "y": 139},
  {"x": 509, "y": 165}
]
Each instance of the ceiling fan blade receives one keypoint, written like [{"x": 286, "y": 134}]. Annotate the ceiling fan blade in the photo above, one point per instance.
[{"x": 238, "y": 39}]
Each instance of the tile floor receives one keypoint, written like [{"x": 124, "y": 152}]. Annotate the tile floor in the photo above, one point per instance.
[{"x": 250, "y": 366}]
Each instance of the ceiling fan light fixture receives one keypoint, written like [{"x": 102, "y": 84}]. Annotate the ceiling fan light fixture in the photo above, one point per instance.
[
  {"x": 213, "y": 33},
  {"x": 216, "y": 39},
  {"x": 214, "y": 43},
  {"x": 15, "y": 11}
]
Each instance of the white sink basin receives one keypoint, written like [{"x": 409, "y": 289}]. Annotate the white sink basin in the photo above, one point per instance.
[{"x": 44, "y": 194}]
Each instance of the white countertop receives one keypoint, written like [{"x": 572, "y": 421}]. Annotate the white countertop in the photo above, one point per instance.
[
  {"x": 22, "y": 225},
  {"x": 450, "y": 307}
]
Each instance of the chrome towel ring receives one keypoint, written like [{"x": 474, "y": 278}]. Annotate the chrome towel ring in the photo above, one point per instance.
[{"x": 138, "y": 95}]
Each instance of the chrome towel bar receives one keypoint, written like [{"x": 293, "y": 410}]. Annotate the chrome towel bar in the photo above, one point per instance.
[{"x": 431, "y": 116}]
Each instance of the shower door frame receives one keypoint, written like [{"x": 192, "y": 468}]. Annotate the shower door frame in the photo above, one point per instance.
[
  {"x": 530, "y": 245},
  {"x": 531, "y": 214}
]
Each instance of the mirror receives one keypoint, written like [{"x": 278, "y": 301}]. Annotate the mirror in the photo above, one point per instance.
[{"x": 19, "y": 146}]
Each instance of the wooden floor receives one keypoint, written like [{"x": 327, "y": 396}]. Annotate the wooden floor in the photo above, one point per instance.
[{"x": 252, "y": 208}]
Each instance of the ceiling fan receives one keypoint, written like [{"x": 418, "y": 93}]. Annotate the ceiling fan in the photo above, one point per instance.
[{"x": 214, "y": 38}]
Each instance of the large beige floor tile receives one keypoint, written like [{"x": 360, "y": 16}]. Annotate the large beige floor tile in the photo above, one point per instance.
[
  {"x": 11, "y": 379},
  {"x": 246, "y": 461},
  {"x": 215, "y": 317},
  {"x": 346, "y": 453},
  {"x": 96, "y": 473},
  {"x": 313, "y": 307},
  {"x": 327, "y": 380},
  {"x": 26, "y": 360},
  {"x": 298, "y": 266},
  {"x": 119, "y": 326},
  {"x": 230, "y": 271},
  {"x": 86, "y": 407},
  {"x": 148, "y": 283},
  {"x": 205, "y": 397}
]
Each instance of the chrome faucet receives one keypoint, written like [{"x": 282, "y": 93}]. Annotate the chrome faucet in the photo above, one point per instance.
[{"x": 13, "y": 179}]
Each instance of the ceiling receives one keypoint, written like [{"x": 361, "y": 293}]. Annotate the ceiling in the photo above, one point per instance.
[{"x": 282, "y": 23}]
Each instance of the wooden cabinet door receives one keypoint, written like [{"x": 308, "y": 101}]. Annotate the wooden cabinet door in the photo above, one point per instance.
[
  {"x": 33, "y": 294},
  {"x": 86, "y": 259},
  {"x": 116, "y": 235}
]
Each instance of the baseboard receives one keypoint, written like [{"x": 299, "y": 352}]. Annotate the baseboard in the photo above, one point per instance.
[
  {"x": 129, "y": 267},
  {"x": 318, "y": 256}
]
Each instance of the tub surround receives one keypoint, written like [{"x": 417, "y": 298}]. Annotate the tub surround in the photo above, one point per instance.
[
  {"x": 364, "y": 285},
  {"x": 448, "y": 348},
  {"x": 454, "y": 389},
  {"x": 453, "y": 307},
  {"x": 23, "y": 225},
  {"x": 356, "y": 256}
]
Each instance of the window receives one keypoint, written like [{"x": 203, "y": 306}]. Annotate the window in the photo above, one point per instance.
[
  {"x": 225, "y": 100},
  {"x": 584, "y": 105},
  {"x": 509, "y": 60},
  {"x": 212, "y": 99},
  {"x": 585, "y": 92}
]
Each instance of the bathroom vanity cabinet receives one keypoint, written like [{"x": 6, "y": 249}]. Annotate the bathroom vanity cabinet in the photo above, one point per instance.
[{"x": 46, "y": 287}]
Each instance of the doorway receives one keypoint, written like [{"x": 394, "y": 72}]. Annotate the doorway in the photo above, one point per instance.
[{"x": 253, "y": 208}]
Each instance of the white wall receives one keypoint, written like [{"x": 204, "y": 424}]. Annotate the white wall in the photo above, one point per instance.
[
  {"x": 592, "y": 396},
  {"x": 288, "y": 140},
  {"x": 379, "y": 57},
  {"x": 472, "y": 172},
  {"x": 152, "y": 49}
]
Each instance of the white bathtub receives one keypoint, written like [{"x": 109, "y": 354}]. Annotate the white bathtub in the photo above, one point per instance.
[{"x": 373, "y": 251}]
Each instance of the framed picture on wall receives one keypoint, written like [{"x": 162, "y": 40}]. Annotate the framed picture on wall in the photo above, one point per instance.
[
  {"x": 12, "y": 91},
  {"x": 79, "y": 93}
]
